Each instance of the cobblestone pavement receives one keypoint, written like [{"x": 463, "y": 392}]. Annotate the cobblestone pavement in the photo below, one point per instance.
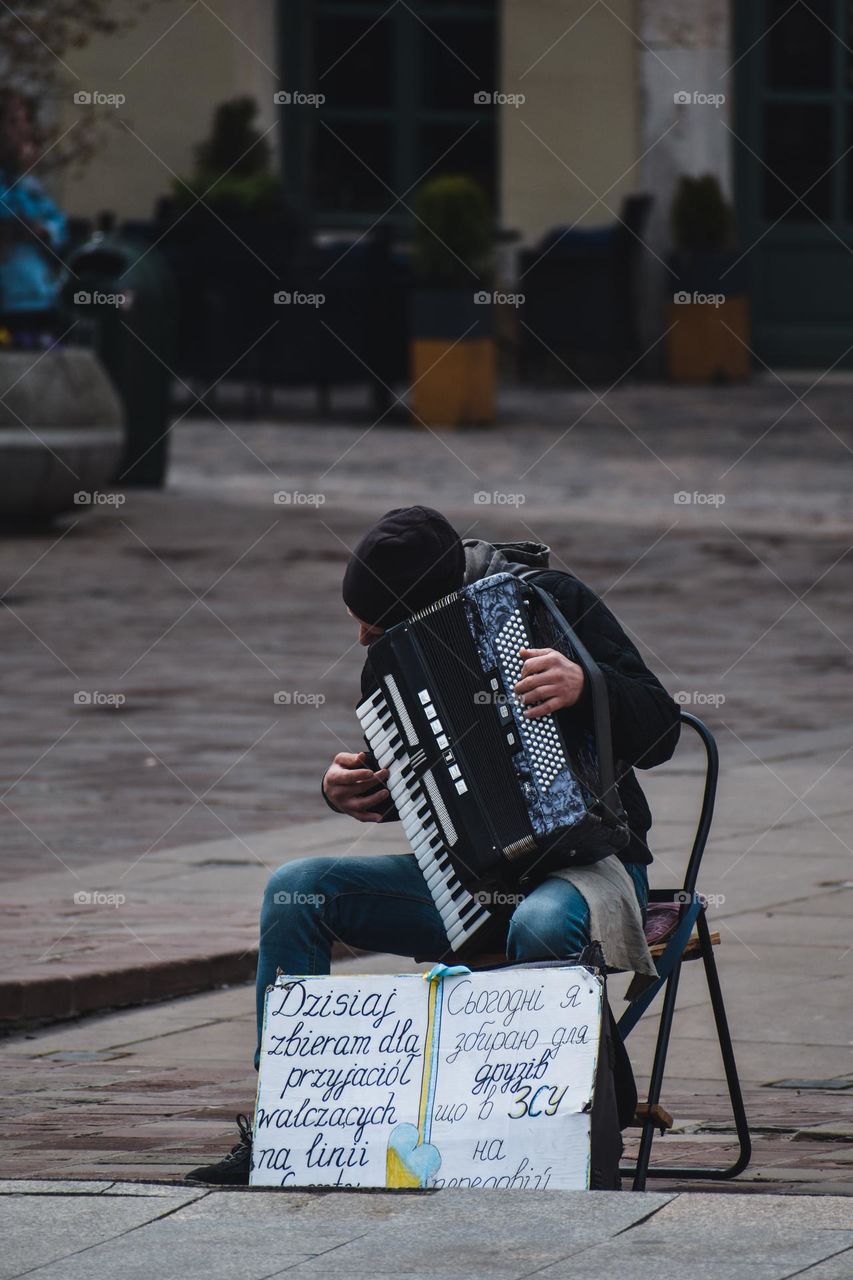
[
  {"x": 151, "y": 1093},
  {"x": 199, "y": 604}
]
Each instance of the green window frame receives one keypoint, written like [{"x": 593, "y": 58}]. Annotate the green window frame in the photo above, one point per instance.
[
  {"x": 797, "y": 128},
  {"x": 399, "y": 82}
]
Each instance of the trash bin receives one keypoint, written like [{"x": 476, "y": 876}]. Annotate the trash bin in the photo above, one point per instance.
[{"x": 123, "y": 296}]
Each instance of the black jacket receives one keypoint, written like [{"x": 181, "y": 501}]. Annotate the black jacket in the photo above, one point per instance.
[{"x": 645, "y": 721}]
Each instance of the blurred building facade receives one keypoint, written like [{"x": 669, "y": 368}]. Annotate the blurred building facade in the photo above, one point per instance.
[{"x": 561, "y": 108}]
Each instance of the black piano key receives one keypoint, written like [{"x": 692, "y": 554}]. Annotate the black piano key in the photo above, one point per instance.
[{"x": 469, "y": 909}]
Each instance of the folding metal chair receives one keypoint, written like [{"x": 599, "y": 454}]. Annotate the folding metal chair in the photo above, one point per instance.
[
  {"x": 683, "y": 945},
  {"x": 691, "y": 940}
]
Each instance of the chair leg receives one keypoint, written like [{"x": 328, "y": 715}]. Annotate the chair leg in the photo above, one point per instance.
[
  {"x": 727, "y": 1050},
  {"x": 642, "y": 1170},
  {"x": 732, "y": 1081}
]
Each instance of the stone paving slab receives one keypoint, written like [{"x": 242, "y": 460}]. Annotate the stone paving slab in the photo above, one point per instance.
[
  {"x": 39, "y": 1230},
  {"x": 252, "y": 1235}
]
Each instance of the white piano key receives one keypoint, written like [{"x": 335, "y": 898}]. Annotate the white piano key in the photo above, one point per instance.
[
  {"x": 452, "y": 920},
  {"x": 370, "y": 705},
  {"x": 445, "y": 896},
  {"x": 460, "y": 934},
  {"x": 383, "y": 746},
  {"x": 421, "y": 810},
  {"x": 410, "y": 805},
  {"x": 423, "y": 846},
  {"x": 437, "y": 879},
  {"x": 401, "y": 777},
  {"x": 384, "y": 757},
  {"x": 410, "y": 829},
  {"x": 386, "y": 739},
  {"x": 374, "y": 717}
]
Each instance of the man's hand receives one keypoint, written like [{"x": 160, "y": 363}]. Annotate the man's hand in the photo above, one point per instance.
[
  {"x": 347, "y": 779},
  {"x": 549, "y": 681}
]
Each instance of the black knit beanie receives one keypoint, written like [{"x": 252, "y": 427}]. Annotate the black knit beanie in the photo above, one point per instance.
[{"x": 410, "y": 558}]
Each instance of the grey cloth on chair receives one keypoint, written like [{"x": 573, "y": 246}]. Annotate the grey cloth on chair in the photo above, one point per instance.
[{"x": 614, "y": 918}]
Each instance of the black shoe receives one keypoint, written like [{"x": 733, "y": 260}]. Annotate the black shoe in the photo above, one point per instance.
[{"x": 233, "y": 1170}]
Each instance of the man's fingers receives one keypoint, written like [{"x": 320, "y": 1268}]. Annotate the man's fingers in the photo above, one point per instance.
[
  {"x": 534, "y": 653},
  {"x": 542, "y": 694},
  {"x": 373, "y": 778},
  {"x": 361, "y": 803},
  {"x": 354, "y": 777},
  {"x": 541, "y": 663},
  {"x": 543, "y": 709},
  {"x": 534, "y": 681},
  {"x": 350, "y": 759}
]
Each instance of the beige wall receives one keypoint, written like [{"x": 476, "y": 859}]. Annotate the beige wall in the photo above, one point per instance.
[
  {"x": 171, "y": 92},
  {"x": 579, "y": 124}
]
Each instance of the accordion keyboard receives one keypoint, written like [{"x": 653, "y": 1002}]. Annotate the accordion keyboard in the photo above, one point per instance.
[{"x": 425, "y": 821}]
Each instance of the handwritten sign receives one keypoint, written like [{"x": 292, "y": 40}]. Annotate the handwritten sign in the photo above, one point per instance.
[{"x": 475, "y": 1080}]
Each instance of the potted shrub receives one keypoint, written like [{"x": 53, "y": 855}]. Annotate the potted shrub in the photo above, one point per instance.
[
  {"x": 708, "y": 311},
  {"x": 233, "y": 167},
  {"x": 452, "y": 357}
]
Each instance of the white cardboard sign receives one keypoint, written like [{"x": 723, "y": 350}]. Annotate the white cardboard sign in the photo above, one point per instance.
[{"x": 472, "y": 1080}]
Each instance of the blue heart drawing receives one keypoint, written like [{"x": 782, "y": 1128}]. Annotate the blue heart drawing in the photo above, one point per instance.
[{"x": 409, "y": 1162}]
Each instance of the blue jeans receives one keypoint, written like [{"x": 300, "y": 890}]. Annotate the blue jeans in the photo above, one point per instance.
[{"x": 382, "y": 903}]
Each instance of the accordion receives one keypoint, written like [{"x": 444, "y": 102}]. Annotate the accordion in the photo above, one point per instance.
[{"x": 490, "y": 801}]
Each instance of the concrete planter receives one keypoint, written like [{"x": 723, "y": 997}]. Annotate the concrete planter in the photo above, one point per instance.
[
  {"x": 61, "y": 432},
  {"x": 708, "y": 319},
  {"x": 453, "y": 365}
]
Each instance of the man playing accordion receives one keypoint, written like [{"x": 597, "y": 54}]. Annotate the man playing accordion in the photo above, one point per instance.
[{"x": 408, "y": 560}]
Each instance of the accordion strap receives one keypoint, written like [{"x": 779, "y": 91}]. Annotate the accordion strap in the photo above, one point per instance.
[{"x": 612, "y": 813}]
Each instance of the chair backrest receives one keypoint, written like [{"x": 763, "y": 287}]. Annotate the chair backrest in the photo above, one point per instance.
[{"x": 709, "y": 792}]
